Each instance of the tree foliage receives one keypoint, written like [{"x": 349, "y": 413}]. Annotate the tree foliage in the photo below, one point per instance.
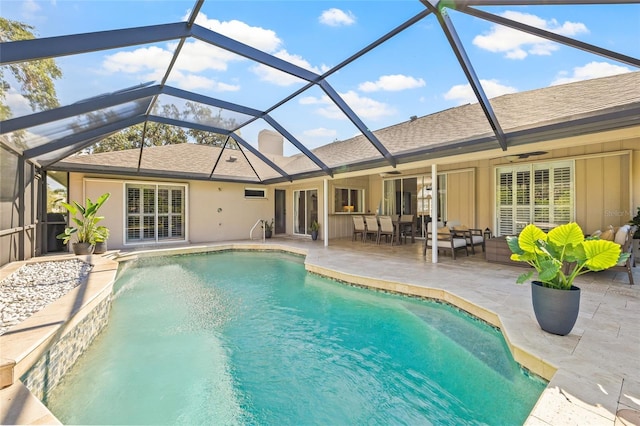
[
  {"x": 158, "y": 134},
  {"x": 36, "y": 78}
]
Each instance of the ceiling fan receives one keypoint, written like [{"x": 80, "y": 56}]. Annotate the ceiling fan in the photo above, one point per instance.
[{"x": 523, "y": 155}]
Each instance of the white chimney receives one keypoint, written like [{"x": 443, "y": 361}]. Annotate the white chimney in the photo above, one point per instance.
[{"x": 270, "y": 142}]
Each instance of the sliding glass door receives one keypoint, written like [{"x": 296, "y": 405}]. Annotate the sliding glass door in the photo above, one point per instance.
[
  {"x": 305, "y": 210},
  {"x": 413, "y": 195}
]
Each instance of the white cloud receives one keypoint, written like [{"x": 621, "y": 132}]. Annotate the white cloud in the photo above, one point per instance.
[
  {"x": 392, "y": 83},
  {"x": 589, "y": 71},
  {"x": 517, "y": 44},
  {"x": 30, "y": 8},
  {"x": 19, "y": 104},
  {"x": 142, "y": 59},
  {"x": 336, "y": 17},
  {"x": 311, "y": 100},
  {"x": 260, "y": 38},
  {"x": 320, "y": 132},
  {"x": 198, "y": 56},
  {"x": 364, "y": 107},
  {"x": 194, "y": 82},
  {"x": 463, "y": 93},
  {"x": 280, "y": 78},
  {"x": 151, "y": 64}
]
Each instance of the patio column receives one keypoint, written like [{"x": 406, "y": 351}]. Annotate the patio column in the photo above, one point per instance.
[
  {"x": 434, "y": 213},
  {"x": 325, "y": 214}
]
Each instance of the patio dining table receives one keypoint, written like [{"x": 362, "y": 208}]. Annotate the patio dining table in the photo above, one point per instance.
[{"x": 400, "y": 225}]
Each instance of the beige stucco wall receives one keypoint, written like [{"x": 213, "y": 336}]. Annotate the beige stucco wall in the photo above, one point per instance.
[
  {"x": 607, "y": 183},
  {"x": 204, "y": 222},
  {"x": 607, "y": 191},
  {"x": 290, "y": 188}
]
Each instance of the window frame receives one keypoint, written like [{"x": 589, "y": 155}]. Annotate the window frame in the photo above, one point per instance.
[
  {"x": 169, "y": 215},
  {"x": 361, "y": 195},
  {"x": 533, "y": 210},
  {"x": 255, "y": 197}
]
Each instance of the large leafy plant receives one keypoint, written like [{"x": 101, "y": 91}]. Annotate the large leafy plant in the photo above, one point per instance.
[
  {"x": 562, "y": 254},
  {"x": 636, "y": 221},
  {"x": 87, "y": 229}
]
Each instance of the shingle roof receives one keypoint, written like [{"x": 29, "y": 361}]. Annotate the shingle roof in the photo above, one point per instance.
[{"x": 438, "y": 131}]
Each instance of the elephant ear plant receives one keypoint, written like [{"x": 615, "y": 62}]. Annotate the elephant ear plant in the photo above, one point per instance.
[
  {"x": 86, "y": 230},
  {"x": 559, "y": 257},
  {"x": 562, "y": 254}
]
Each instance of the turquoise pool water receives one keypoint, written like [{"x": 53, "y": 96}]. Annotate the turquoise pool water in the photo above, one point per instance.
[{"x": 252, "y": 338}]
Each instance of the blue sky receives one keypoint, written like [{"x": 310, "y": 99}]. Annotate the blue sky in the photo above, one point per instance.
[{"x": 414, "y": 73}]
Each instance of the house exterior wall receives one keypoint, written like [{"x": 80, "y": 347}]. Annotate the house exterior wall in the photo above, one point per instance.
[
  {"x": 313, "y": 184},
  {"x": 203, "y": 199},
  {"x": 606, "y": 176},
  {"x": 237, "y": 214},
  {"x": 341, "y": 224}
]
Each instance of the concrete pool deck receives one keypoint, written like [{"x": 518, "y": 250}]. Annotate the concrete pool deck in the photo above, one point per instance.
[{"x": 594, "y": 372}]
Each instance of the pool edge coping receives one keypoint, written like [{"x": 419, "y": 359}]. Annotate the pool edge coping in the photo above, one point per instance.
[{"x": 529, "y": 361}]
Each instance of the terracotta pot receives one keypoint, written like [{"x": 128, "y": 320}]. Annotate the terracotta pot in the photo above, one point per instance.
[{"x": 556, "y": 310}]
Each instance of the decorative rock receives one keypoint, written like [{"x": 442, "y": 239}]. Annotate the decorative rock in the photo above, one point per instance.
[{"x": 36, "y": 285}]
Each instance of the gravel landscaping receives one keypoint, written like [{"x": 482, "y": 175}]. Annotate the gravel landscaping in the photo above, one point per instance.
[{"x": 34, "y": 286}]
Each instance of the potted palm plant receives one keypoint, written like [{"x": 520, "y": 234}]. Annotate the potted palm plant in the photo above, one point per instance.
[
  {"x": 268, "y": 228},
  {"x": 100, "y": 238},
  {"x": 315, "y": 227},
  {"x": 86, "y": 229},
  {"x": 559, "y": 257}
]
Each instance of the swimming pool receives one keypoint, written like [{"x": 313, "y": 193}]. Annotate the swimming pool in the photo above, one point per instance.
[{"x": 252, "y": 338}]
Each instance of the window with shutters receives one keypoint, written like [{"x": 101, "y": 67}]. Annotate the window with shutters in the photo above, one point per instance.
[
  {"x": 155, "y": 212},
  {"x": 541, "y": 193}
]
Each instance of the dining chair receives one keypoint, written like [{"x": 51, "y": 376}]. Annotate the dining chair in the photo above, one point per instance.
[
  {"x": 372, "y": 227},
  {"x": 359, "y": 228},
  {"x": 406, "y": 222},
  {"x": 386, "y": 228}
]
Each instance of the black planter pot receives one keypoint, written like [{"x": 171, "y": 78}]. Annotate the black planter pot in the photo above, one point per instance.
[
  {"x": 314, "y": 235},
  {"x": 268, "y": 234},
  {"x": 82, "y": 248},
  {"x": 100, "y": 248},
  {"x": 556, "y": 310}
]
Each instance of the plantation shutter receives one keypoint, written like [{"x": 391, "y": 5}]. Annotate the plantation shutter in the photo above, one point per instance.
[
  {"x": 535, "y": 193},
  {"x": 505, "y": 203},
  {"x": 155, "y": 212}
]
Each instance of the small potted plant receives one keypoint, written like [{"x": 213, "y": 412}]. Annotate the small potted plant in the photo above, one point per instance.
[
  {"x": 268, "y": 228},
  {"x": 315, "y": 227},
  {"x": 558, "y": 258},
  {"x": 100, "y": 239},
  {"x": 86, "y": 229}
]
